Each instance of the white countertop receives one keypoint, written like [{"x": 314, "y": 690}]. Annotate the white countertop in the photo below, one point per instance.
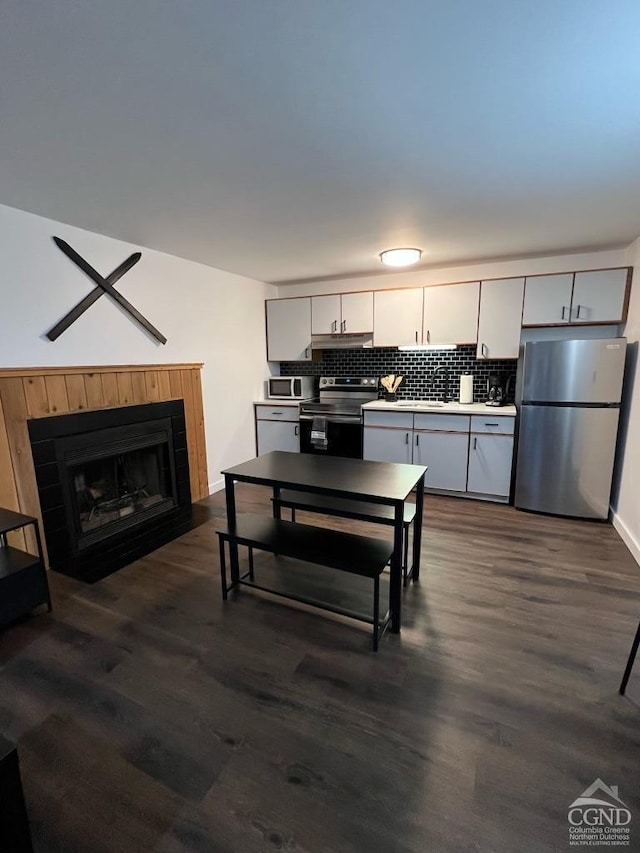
[
  {"x": 441, "y": 408},
  {"x": 277, "y": 402}
]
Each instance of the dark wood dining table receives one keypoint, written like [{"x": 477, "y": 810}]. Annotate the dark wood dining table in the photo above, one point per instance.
[{"x": 386, "y": 483}]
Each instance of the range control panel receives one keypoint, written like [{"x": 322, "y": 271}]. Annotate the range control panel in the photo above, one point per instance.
[{"x": 348, "y": 382}]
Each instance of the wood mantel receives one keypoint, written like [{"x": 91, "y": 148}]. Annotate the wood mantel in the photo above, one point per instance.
[{"x": 36, "y": 392}]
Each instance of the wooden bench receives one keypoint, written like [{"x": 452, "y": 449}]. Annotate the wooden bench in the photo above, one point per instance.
[
  {"x": 344, "y": 552},
  {"x": 345, "y": 508}
]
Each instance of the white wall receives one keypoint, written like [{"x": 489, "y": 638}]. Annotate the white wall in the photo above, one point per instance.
[
  {"x": 626, "y": 499},
  {"x": 207, "y": 315},
  {"x": 468, "y": 272}
]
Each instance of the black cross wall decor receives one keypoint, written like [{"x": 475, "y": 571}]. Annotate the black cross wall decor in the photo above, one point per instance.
[{"x": 104, "y": 285}]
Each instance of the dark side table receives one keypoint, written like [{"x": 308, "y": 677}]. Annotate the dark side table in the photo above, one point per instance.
[
  {"x": 15, "y": 836},
  {"x": 23, "y": 577}
]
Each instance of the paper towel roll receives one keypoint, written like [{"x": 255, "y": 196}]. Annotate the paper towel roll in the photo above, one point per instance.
[{"x": 466, "y": 388}]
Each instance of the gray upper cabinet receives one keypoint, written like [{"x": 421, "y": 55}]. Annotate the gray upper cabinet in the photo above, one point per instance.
[
  {"x": 347, "y": 313},
  {"x": 325, "y": 314},
  {"x": 547, "y": 300},
  {"x": 599, "y": 296},
  {"x": 500, "y": 318},
  {"x": 397, "y": 317},
  {"x": 451, "y": 313},
  {"x": 289, "y": 329}
]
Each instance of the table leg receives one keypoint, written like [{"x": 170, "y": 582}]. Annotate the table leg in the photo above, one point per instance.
[
  {"x": 277, "y": 509},
  {"x": 417, "y": 528},
  {"x": 36, "y": 528},
  {"x": 630, "y": 661},
  {"x": 230, "y": 495},
  {"x": 395, "y": 581}
]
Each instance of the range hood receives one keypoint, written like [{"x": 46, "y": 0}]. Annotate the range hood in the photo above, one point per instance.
[{"x": 363, "y": 340}]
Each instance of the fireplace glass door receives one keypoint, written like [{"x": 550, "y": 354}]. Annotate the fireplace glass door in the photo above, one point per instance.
[
  {"x": 118, "y": 487},
  {"x": 117, "y": 478}
]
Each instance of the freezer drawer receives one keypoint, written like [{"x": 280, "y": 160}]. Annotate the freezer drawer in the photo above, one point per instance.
[{"x": 565, "y": 460}]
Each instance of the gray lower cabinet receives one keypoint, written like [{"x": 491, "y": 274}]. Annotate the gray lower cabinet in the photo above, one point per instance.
[
  {"x": 490, "y": 459},
  {"x": 278, "y": 435},
  {"x": 445, "y": 454},
  {"x": 441, "y": 442},
  {"x": 381, "y": 444},
  {"x": 464, "y": 455},
  {"x": 277, "y": 428}
]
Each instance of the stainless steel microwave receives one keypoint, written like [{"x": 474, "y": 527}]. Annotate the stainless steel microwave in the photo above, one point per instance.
[{"x": 290, "y": 387}]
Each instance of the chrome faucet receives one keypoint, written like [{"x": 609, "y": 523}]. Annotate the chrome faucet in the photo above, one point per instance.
[{"x": 445, "y": 390}]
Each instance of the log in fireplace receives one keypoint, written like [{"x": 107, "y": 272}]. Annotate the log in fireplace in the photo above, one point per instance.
[{"x": 113, "y": 485}]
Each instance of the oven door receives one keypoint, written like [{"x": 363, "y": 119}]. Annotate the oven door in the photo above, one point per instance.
[{"x": 344, "y": 437}]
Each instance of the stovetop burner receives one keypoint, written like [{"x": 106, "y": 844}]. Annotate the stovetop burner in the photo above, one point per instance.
[{"x": 342, "y": 396}]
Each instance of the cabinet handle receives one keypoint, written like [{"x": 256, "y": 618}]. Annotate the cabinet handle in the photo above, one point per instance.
[
  {"x": 295, "y": 429},
  {"x": 428, "y": 336},
  {"x": 306, "y": 352},
  {"x": 578, "y": 309},
  {"x": 416, "y": 337},
  {"x": 475, "y": 442},
  {"x": 417, "y": 439},
  {"x": 277, "y": 413},
  {"x": 484, "y": 349},
  {"x": 486, "y": 424},
  {"x": 344, "y": 325},
  {"x": 406, "y": 438},
  {"x": 334, "y": 326},
  {"x": 564, "y": 312}
]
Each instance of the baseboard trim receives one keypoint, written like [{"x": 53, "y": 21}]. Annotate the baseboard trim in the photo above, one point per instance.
[
  {"x": 627, "y": 537},
  {"x": 218, "y": 486}
]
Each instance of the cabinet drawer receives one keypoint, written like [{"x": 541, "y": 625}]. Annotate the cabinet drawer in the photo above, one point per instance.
[
  {"x": 399, "y": 420},
  {"x": 492, "y": 425},
  {"x": 277, "y": 413},
  {"x": 446, "y": 423}
]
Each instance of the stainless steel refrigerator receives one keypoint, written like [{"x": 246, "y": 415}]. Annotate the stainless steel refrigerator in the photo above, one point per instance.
[{"x": 569, "y": 411}]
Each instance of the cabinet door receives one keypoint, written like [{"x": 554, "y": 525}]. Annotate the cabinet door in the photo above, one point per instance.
[
  {"x": 387, "y": 445},
  {"x": 599, "y": 297},
  {"x": 397, "y": 317},
  {"x": 289, "y": 329},
  {"x": 277, "y": 435},
  {"x": 500, "y": 318},
  {"x": 445, "y": 454},
  {"x": 547, "y": 300},
  {"x": 490, "y": 464},
  {"x": 451, "y": 313},
  {"x": 357, "y": 312},
  {"x": 325, "y": 314}
]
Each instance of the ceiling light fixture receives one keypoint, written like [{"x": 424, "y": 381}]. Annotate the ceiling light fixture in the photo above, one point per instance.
[{"x": 400, "y": 257}]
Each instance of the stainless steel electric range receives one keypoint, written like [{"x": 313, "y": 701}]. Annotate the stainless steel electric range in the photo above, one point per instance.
[{"x": 332, "y": 423}]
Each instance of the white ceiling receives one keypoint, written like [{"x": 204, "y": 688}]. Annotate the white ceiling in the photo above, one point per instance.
[{"x": 286, "y": 139}]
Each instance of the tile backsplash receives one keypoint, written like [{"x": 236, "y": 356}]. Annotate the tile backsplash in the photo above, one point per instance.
[{"x": 416, "y": 367}]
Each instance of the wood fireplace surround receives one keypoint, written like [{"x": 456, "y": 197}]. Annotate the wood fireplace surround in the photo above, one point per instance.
[{"x": 27, "y": 394}]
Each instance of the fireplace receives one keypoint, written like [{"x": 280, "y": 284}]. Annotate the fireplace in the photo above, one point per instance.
[{"x": 113, "y": 485}]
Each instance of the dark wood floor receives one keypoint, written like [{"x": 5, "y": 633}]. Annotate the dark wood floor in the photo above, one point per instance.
[{"x": 151, "y": 717}]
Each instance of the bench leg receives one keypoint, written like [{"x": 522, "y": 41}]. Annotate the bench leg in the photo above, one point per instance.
[
  {"x": 251, "y": 563},
  {"x": 405, "y": 556},
  {"x": 376, "y": 611},
  {"x": 223, "y": 569}
]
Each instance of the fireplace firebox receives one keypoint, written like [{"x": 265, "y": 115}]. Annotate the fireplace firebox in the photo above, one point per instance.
[{"x": 113, "y": 485}]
